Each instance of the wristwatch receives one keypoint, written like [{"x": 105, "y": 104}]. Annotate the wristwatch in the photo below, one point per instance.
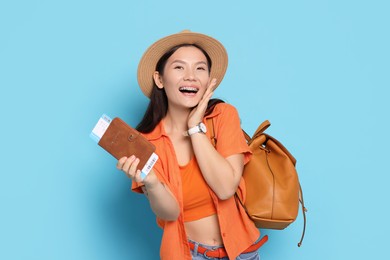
[{"x": 199, "y": 128}]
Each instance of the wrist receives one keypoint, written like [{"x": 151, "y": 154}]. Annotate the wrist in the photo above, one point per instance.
[
  {"x": 198, "y": 128},
  {"x": 192, "y": 124},
  {"x": 151, "y": 181}
]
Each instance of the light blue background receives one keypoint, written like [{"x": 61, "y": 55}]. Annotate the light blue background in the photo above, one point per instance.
[{"x": 318, "y": 70}]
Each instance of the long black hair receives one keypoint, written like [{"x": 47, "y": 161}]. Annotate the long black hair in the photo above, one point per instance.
[{"x": 158, "y": 105}]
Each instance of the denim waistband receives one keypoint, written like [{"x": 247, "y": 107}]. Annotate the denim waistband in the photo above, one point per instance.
[
  {"x": 204, "y": 245},
  {"x": 198, "y": 255}
]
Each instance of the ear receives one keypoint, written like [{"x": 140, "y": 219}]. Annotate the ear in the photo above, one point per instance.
[{"x": 158, "y": 80}]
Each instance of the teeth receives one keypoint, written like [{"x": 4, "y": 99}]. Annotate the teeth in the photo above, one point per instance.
[{"x": 189, "y": 89}]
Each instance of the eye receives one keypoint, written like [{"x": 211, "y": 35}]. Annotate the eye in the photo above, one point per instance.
[
  {"x": 201, "y": 68},
  {"x": 178, "y": 67}
]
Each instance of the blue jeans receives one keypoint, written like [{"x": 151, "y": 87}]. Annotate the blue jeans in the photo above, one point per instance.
[{"x": 197, "y": 256}]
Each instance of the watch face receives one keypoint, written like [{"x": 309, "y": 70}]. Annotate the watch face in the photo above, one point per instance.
[{"x": 202, "y": 127}]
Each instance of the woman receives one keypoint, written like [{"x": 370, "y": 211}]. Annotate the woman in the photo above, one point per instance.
[{"x": 191, "y": 187}]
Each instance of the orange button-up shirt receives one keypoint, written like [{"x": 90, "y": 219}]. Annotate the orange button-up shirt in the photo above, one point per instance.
[{"x": 237, "y": 230}]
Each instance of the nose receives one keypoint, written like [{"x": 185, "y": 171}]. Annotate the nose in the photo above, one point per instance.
[{"x": 189, "y": 75}]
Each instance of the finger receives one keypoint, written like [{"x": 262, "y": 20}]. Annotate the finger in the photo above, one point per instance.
[
  {"x": 212, "y": 84},
  {"x": 209, "y": 91},
  {"x": 137, "y": 176},
  {"x": 205, "y": 100},
  {"x": 208, "y": 96},
  {"x": 133, "y": 167},
  {"x": 120, "y": 163},
  {"x": 128, "y": 163}
]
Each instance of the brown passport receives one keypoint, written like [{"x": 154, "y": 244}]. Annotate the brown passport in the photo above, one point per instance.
[{"x": 122, "y": 140}]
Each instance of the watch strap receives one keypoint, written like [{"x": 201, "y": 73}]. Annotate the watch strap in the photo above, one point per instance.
[{"x": 194, "y": 130}]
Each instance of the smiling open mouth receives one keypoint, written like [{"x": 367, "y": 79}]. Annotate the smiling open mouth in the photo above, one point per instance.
[{"x": 191, "y": 90}]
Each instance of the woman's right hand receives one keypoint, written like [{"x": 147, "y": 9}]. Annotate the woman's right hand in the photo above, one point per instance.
[
  {"x": 163, "y": 203},
  {"x": 129, "y": 166}
]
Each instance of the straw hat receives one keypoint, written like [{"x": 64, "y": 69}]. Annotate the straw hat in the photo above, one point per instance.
[{"x": 148, "y": 62}]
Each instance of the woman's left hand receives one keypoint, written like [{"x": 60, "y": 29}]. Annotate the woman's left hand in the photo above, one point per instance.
[{"x": 197, "y": 113}]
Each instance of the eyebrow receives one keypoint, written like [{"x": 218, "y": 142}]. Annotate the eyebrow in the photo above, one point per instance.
[{"x": 183, "y": 62}]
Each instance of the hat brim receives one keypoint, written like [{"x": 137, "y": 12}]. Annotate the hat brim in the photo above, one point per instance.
[{"x": 152, "y": 55}]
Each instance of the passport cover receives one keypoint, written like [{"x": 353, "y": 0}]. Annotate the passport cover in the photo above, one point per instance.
[{"x": 121, "y": 140}]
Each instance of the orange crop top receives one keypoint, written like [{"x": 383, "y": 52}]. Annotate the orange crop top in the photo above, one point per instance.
[{"x": 197, "y": 201}]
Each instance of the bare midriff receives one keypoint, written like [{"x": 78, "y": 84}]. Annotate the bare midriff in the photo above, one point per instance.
[{"x": 205, "y": 230}]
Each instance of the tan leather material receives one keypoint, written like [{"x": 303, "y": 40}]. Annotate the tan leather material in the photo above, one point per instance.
[
  {"x": 122, "y": 140},
  {"x": 273, "y": 191}
]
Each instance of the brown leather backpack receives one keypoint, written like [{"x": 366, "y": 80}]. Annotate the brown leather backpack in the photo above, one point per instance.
[{"x": 273, "y": 191}]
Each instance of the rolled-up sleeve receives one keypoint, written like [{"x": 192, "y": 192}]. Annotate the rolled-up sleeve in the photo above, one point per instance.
[{"x": 230, "y": 138}]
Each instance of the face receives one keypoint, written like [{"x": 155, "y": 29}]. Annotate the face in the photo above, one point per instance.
[{"x": 186, "y": 77}]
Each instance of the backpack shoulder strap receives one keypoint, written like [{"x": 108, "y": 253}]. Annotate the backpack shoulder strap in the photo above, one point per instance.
[
  {"x": 210, "y": 126},
  {"x": 260, "y": 130},
  {"x": 262, "y": 127},
  {"x": 304, "y": 210}
]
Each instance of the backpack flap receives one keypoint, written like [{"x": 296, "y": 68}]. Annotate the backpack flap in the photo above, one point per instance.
[{"x": 281, "y": 146}]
